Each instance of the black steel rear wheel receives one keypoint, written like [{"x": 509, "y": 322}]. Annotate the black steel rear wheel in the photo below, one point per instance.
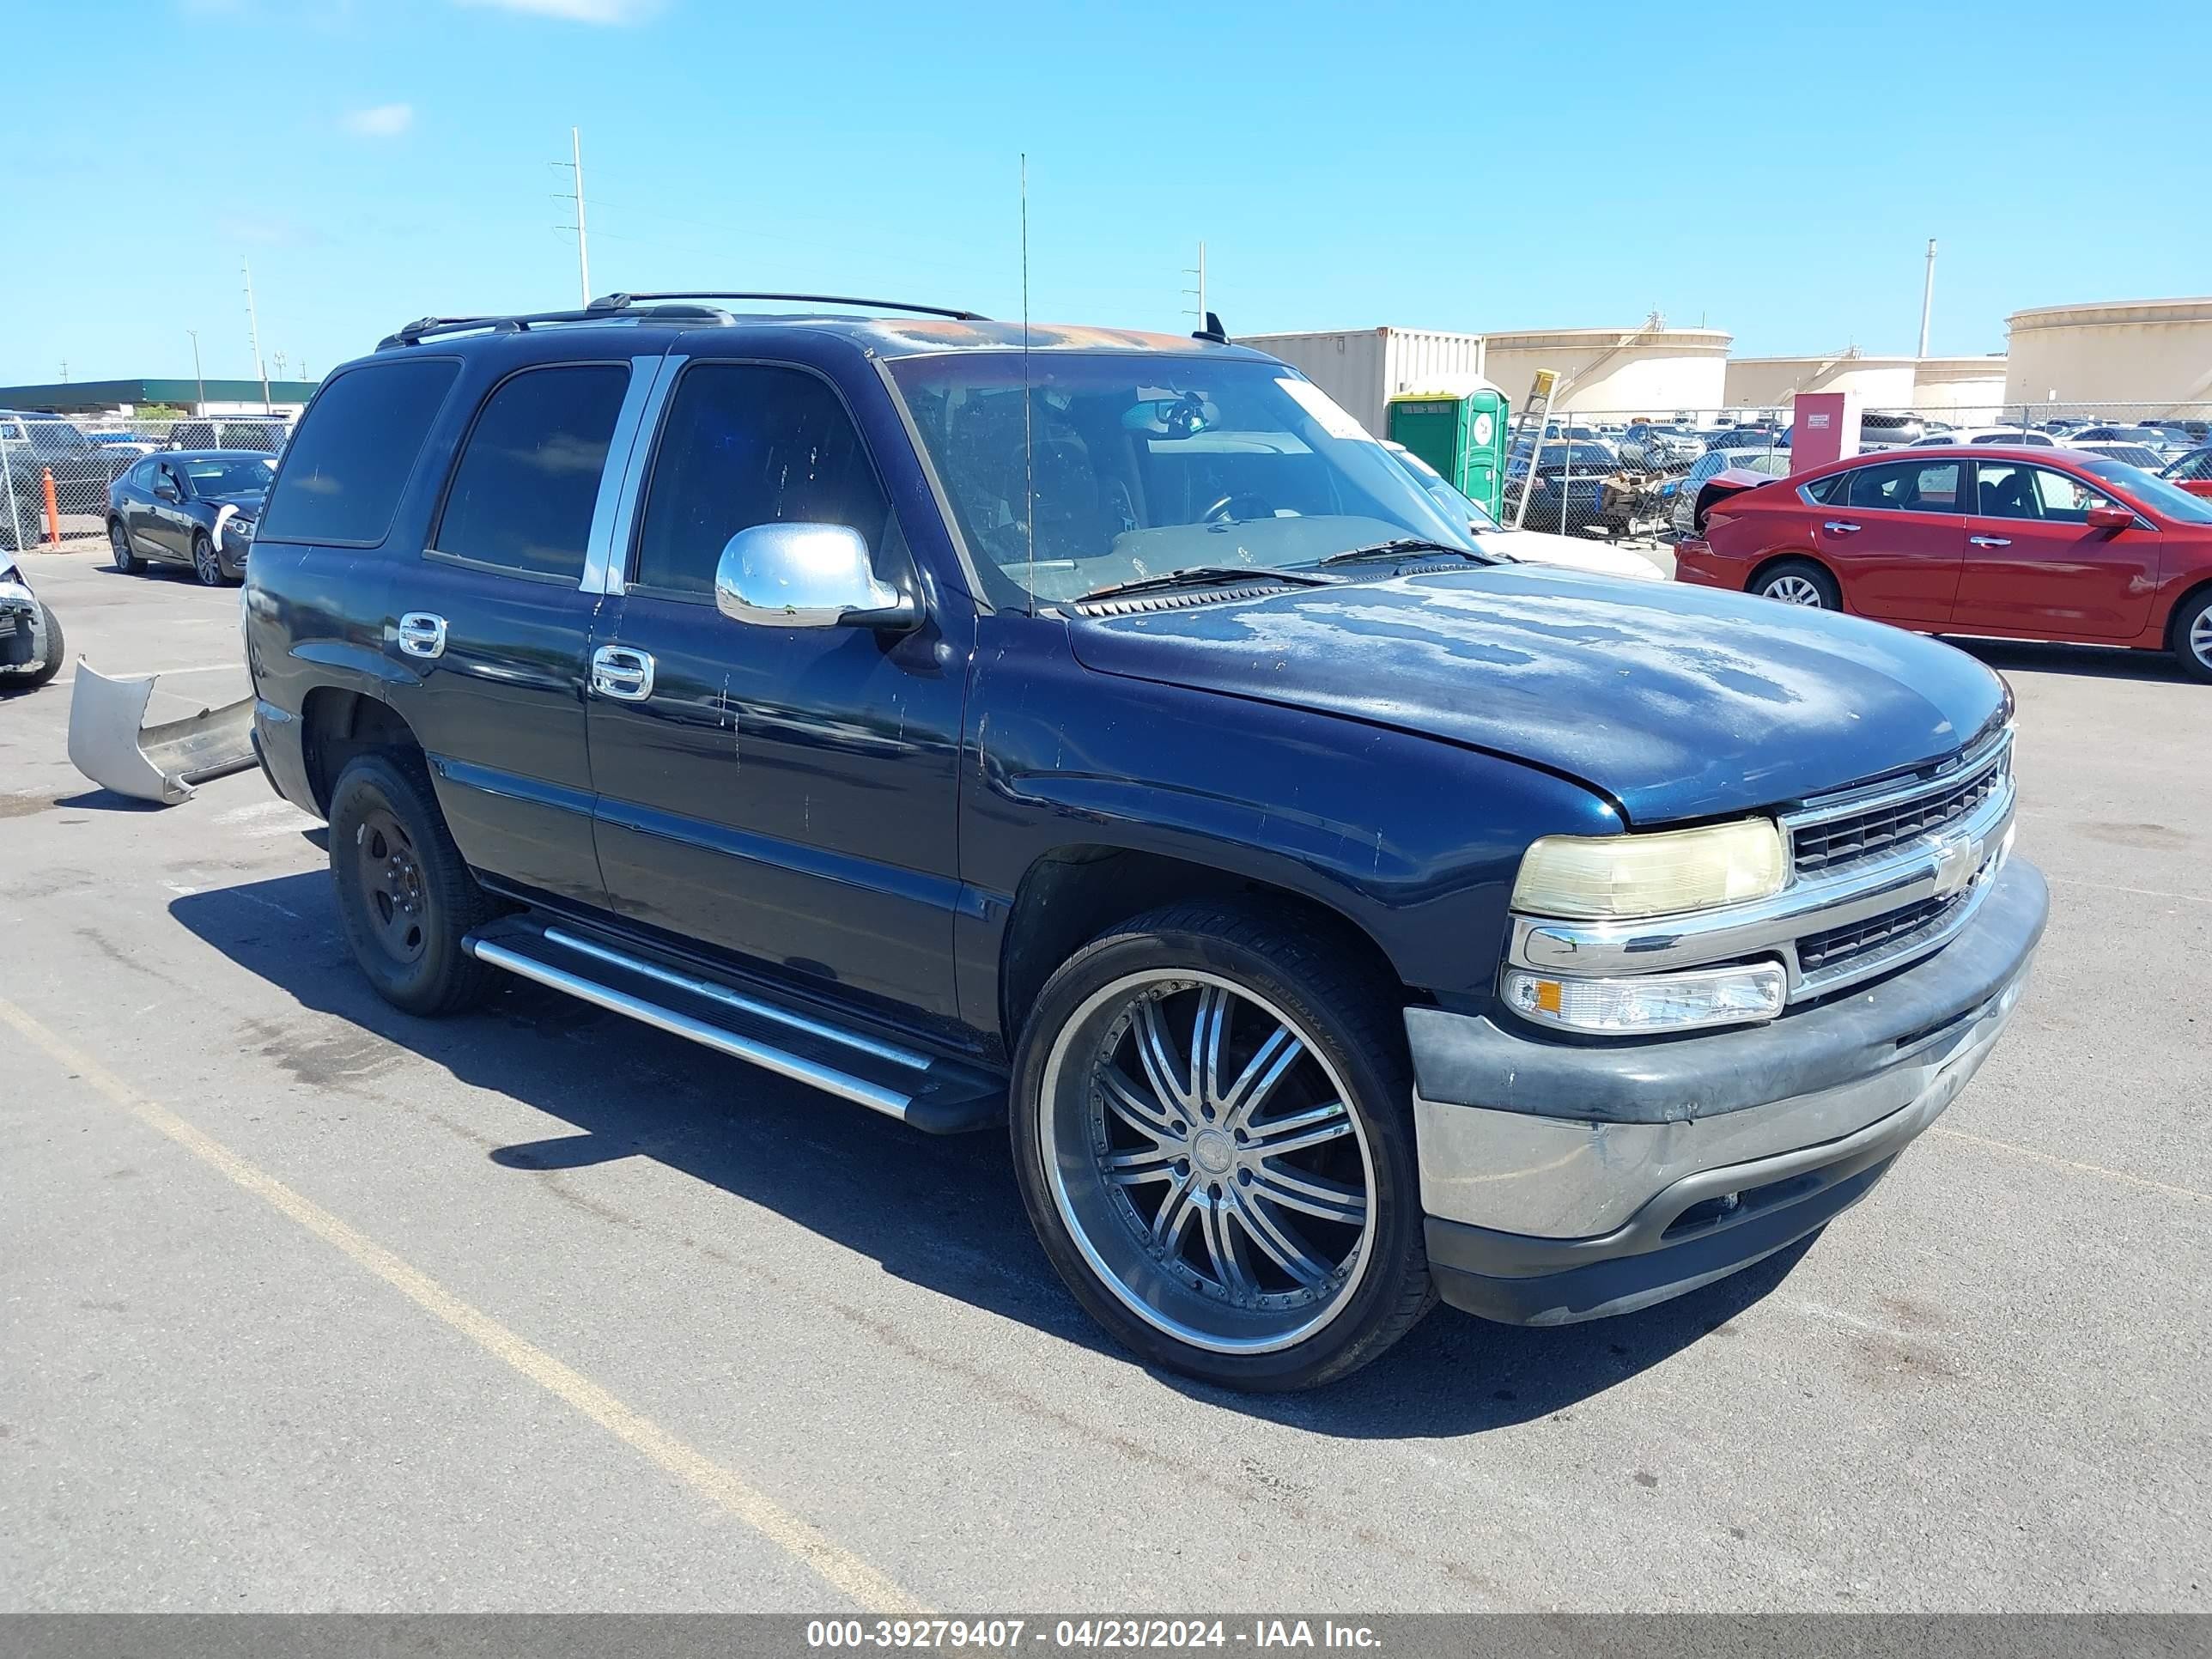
[{"x": 406, "y": 897}]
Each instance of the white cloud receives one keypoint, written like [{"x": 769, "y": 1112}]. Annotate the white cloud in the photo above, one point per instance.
[
  {"x": 379, "y": 121},
  {"x": 578, "y": 11}
]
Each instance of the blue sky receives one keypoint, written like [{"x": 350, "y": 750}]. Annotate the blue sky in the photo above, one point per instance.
[{"x": 1774, "y": 170}]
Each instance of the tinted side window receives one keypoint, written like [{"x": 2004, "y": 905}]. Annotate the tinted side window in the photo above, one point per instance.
[
  {"x": 1907, "y": 487},
  {"x": 1829, "y": 492},
  {"x": 745, "y": 444},
  {"x": 529, "y": 474},
  {"x": 356, "y": 445}
]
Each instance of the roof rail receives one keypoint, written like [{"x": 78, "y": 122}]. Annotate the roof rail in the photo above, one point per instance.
[
  {"x": 612, "y": 302},
  {"x": 423, "y": 328}
]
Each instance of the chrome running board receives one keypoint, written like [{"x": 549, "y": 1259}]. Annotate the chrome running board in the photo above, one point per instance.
[{"x": 938, "y": 1095}]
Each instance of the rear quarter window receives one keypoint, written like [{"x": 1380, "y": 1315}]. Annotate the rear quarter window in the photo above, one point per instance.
[{"x": 354, "y": 450}]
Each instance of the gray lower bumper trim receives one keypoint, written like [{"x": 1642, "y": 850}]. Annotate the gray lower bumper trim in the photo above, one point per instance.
[{"x": 1475, "y": 1060}]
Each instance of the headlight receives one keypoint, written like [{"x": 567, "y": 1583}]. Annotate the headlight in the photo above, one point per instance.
[{"x": 1597, "y": 877}]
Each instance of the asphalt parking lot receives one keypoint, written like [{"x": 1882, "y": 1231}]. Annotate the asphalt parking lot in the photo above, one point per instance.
[{"x": 310, "y": 1305}]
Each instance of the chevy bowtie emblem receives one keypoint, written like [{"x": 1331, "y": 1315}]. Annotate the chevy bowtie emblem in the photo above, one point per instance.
[{"x": 1955, "y": 867}]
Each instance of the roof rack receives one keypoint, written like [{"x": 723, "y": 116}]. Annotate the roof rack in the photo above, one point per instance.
[
  {"x": 608, "y": 302},
  {"x": 640, "y": 307}
]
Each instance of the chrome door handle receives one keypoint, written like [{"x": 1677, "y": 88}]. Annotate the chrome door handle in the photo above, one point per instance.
[
  {"x": 620, "y": 672},
  {"x": 421, "y": 635},
  {"x": 1839, "y": 527},
  {"x": 1990, "y": 541}
]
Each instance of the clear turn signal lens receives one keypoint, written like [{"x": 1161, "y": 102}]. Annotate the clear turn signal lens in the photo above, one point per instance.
[{"x": 1650, "y": 1002}]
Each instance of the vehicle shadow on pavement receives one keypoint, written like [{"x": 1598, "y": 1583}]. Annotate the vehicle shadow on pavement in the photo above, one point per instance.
[
  {"x": 107, "y": 800},
  {"x": 2096, "y": 661},
  {"x": 940, "y": 1212}
]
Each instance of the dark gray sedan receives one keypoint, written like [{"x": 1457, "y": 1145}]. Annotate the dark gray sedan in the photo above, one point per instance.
[{"x": 195, "y": 506}]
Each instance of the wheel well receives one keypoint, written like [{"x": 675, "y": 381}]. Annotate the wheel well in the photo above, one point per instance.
[
  {"x": 2181, "y": 602},
  {"x": 1072, "y": 894},
  {"x": 336, "y": 724},
  {"x": 1765, "y": 565}
]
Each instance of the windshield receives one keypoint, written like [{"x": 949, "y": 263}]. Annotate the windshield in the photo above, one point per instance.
[
  {"x": 1139, "y": 465},
  {"x": 228, "y": 478},
  {"x": 57, "y": 435},
  {"x": 2151, "y": 490}
]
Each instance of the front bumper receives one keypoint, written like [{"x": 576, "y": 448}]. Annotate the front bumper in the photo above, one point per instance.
[{"x": 1569, "y": 1181}]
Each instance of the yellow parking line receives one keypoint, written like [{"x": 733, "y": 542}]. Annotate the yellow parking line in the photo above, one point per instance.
[
  {"x": 720, "y": 1485},
  {"x": 2073, "y": 1163}
]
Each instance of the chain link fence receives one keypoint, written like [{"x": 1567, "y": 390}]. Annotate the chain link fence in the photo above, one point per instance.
[
  {"x": 58, "y": 468},
  {"x": 1633, "y": 477}
]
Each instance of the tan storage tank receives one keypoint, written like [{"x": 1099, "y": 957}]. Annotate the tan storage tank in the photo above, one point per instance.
[
  {"x": 1653, "y": 370},
  {"x": 2130, "y": 351}
]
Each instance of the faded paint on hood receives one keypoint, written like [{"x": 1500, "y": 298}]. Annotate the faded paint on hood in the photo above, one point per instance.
[{"x": 1678, "y": 703}]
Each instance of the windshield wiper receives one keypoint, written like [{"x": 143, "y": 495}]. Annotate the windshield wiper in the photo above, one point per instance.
[
  {"x": 1400, "y": 546},
  {"x": 1196, "y": 574}
]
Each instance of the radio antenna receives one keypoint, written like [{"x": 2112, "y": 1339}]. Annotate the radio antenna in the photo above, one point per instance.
[{"x": 1029, "y": 446}]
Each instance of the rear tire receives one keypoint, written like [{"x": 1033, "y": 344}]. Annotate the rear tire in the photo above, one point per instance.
[
  {"x": 1277, "y": 1156},
  {"x": 406, "y": 897},
  {"x": 2193, "y": 636},
  {"x": 119, "y": 539},
  {"x": 1799, "y": 581}
]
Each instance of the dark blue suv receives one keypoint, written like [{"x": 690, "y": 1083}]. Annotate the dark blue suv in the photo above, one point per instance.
[{"x": 1100, "y": 733}]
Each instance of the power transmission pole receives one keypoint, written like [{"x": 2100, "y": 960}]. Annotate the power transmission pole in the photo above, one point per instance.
[
  {"x": 198, "y": 378},
  {"x": 1198, "y": 271},
  {"x": 253, "y": 328},
  {"x": 576, "y": 165},
  {"x": 1927, "y": 296}
]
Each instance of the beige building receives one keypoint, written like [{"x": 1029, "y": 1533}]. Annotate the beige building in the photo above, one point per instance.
[
  {"x": 1652, "y": 370},
  {"x": 2137, "y": 351}
]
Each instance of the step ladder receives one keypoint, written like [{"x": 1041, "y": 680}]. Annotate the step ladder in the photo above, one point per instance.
[{"x": 1534, "y": 413}]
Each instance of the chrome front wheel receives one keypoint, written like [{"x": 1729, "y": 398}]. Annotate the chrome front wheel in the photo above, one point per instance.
[{"x": 1203, "y": 1154}]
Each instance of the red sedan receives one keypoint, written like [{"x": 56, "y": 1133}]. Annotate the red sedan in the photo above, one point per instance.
[{"x": 2020, "y": 544}]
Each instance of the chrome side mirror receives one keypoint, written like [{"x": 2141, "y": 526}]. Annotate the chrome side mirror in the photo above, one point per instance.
[{"x": 806, "y": 575}]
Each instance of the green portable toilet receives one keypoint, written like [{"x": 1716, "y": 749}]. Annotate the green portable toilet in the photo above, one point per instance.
[{"x": 1461, "y": 432}]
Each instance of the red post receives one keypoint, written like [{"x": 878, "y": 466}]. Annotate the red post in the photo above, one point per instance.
[{"x": 53, "y": 510}]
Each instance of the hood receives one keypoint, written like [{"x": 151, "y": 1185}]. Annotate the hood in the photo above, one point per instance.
[
  {"x": 1677, "y": 701},
  {"x": 1569, "y": 552},
  {"x": 248, "y": 502}
]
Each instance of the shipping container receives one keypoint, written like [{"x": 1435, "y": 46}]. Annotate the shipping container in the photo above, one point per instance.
[{"x": 1362, "y": 368}]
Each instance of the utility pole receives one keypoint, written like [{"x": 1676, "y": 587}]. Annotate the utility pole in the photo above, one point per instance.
[
  {"x": 198, "y": 378},
  {"x": 576, "y": 165},
  {"x": 254, "y": 328},
  {"x": 64, "y": 373},
  {"x": 1928, "y": 296},
  {"x": 1198, "y": 271}
]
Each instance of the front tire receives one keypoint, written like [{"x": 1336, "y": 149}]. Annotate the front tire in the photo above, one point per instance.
[
  {"x": 1799, "y": 581},
  {"x": 2193, "y": 636},
  {"x": 118, "y": 538},
  {"x": 205, "y": 565},
  {"x": 1213, "y": 1130},
  {"x": 50, "y": 663},
  {"x": 406, "y": 897}
]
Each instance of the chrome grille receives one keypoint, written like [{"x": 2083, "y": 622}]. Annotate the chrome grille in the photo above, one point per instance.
[
  {"x": 1816, "y": 951},
  {"x": 1831, "y": 844}
]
